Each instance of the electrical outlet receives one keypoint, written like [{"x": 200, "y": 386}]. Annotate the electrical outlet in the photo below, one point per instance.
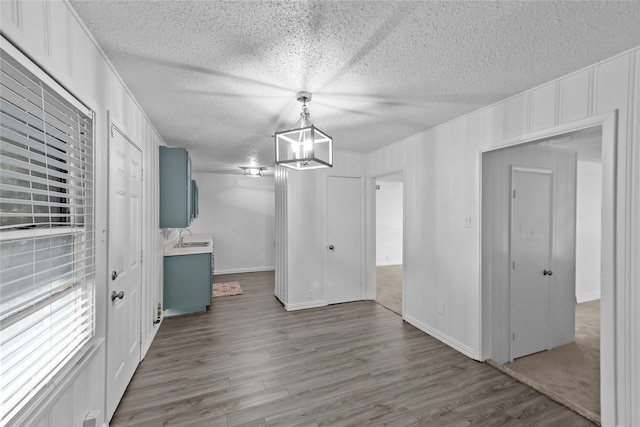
[
  {"x": 234, "y": 229},
  {"x": 310, "y": 293},
  {"x": 91, "y": 419},
  {"x": 440, "y": 307},
  {"x": 467, "y": 222}
]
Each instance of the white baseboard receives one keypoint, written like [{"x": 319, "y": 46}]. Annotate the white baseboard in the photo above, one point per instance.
[
  {"x": 306, "y": 304},
  {"x": 588, "y": 297},
  {"x": 451, "y": 342},
  {"x": 149, "y": 340},
  {"x": 243, "y": 270}
]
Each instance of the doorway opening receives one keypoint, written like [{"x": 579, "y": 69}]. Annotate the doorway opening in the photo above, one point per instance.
[
  {"x": 389, "y": 217},
  {"x": 569, "y": 365}
]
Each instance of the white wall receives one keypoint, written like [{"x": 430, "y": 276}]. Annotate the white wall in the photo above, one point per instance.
[
  {"x": 588, "y": 234},
  {"x": 301, "y": 214},
  {"x": 240, "y": 212},
  {"x": 50, "y": 33},
  {"x": 442, "y": 186},
  {"x": 389, "y": 199},
  {"x": 496, "y": 234},
  {"x": 442, "y": 176}
]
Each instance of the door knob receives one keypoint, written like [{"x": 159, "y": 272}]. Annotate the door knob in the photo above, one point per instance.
[
  {"x": 331, "y": 247},
  {"x": 115, "y": 295},
  {"x": 114, "y": 275},
  {"x": 546, "y": 272}
]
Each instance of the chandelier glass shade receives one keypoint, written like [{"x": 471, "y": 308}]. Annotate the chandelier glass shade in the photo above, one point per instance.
[{"x": 304, "y": 146}]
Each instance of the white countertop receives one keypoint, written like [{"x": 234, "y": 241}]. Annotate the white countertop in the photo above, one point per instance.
[{"x": 170, "y": 248}]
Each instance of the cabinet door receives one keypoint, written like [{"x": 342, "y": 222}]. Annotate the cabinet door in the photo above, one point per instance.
[
  {"x": 175, "y": 187},
  {"x": 187, "y": 283}
]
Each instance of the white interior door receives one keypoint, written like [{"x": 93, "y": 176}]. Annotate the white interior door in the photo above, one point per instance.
[
  {"x": 530, "y": 260},
  {"x": 125, "y": 239},
  {"x": 344, "y": 240}
]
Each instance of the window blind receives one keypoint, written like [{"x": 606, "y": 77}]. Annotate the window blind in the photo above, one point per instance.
[{"x": 46, "y": 233}]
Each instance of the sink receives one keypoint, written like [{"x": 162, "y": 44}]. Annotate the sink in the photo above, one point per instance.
[{"x": 193, "y": 244}]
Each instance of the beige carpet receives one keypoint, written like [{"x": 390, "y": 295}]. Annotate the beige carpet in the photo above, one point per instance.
[
  {"x": 226, "y": 289},
  {"x": 389, "y": 287},
  {"x": 570, "y": 373}
]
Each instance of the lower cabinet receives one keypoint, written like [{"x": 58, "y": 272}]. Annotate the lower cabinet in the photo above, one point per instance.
[{"x": 187, "y": 283}]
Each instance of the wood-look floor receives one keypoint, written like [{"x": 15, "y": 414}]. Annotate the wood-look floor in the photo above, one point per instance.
[
  {"x": 389, "y": 287},
  {"x": 247, "y": 361}
]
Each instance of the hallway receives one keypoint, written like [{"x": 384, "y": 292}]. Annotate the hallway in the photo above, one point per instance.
[{"x": 246, "y": 361}]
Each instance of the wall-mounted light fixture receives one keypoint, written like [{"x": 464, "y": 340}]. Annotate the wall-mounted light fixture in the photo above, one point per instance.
[
  {"x": 304, "y": 146},
  {"x": 253, "y": 171}
]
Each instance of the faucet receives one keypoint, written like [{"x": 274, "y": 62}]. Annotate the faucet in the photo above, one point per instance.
[{"x": 180, "y": 238}]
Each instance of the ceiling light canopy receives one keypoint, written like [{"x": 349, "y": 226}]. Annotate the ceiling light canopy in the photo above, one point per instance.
[
  {"x": 304, "y": 146},
  {"x": 253, "y": 171}
]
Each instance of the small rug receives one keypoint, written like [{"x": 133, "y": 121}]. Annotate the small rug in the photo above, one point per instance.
[{"x": 226, "y": 289}]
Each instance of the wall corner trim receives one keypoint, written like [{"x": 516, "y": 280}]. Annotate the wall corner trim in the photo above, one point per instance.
[{"x": 451, "y": 342}]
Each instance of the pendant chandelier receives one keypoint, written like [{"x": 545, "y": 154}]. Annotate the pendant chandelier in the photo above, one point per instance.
[{"x": 304, "y": 146}]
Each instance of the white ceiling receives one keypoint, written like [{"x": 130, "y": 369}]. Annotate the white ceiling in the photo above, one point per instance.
[
  {"x": 219, "y": 77},
  {"x": 587, "y": 143}
]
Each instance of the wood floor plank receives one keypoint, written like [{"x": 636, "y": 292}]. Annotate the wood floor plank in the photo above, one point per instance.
[{"x": 248, "y": 362}]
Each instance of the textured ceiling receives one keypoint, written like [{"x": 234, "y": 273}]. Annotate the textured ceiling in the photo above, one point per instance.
[
  {"x": 587, "y": 143},
  {"x": 220, "y": 77}
]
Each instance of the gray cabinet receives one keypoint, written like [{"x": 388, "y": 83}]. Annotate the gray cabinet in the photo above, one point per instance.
[
  {"x": 187, "y": 283},
  {"x": 178, "y": 206}
]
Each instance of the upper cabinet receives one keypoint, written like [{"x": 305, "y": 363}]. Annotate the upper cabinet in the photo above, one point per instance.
[{"x": 178, "y": 192}]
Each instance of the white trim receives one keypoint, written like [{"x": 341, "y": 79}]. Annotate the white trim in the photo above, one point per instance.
[
  {"x": 549, "y": 132},
  {"x": 304, "y": 305},
  {"x": 451, "y": 342},
  {"x": 244, "y": 270}
]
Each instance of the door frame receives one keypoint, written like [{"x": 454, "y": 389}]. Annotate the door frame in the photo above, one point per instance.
[
  {"x": 615, "y": 236},
  {"x": 540, "y": 171},
  {"x": 371, "y": 267},
  {"x": 113, "y": 125}
]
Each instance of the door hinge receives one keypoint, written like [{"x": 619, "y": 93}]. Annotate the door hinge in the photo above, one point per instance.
[
  {"x": 513, "y": 265},
  {"x": 141, "y": 257},
  {"x": 141, "y": 174},
  {"x": 513, "y": 337},
  {"x": 514, "y": 194}
]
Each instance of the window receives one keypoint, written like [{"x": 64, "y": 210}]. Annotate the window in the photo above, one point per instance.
[{"x": 46, "y": 233}]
